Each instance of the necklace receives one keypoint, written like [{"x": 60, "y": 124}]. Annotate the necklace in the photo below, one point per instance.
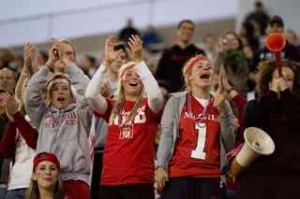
[
  {"x": 126, "y": 129},
  {"x": 198, "y": 120}
]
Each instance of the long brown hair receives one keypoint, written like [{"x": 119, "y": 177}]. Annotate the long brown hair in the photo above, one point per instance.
[
  {"x": 48, "y": 89},
  {"x": 267, "y": 68},
  {"x": 34, "y": 193}
]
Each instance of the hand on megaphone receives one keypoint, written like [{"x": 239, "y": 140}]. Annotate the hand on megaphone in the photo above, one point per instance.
[
  {"x": 278, "y": 84},
  {"x": 257, "y": 143}
]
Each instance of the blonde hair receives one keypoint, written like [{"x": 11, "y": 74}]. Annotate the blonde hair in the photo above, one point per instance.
[
  {"x": 120, "y": 97},
  {"x": 67, "y": 42},
  {"x": 187, "y": 70}
]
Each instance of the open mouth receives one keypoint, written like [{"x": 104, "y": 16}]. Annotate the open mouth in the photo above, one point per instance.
[
  {"x": 205, "y": 76},
  {"x": 48, "y": 179},
  {"x": 61, "y": 99},
  {"x": 134, "y": 84}
]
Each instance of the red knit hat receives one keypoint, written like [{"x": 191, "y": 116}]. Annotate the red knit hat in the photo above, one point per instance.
[{"x": 45, "y": 156}]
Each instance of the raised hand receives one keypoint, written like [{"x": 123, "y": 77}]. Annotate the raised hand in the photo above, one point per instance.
[
  {"x": 229, "y": 92},
  {"x": 278, "y": 83},
  {"x": 105, "y": 89},
  {"x": 109, "y": 53},
  {"x": 223, "y": 79},
  {"x": 53, "y": 54},
  {"x": 29, "y": 53},
  {"x": 136, "y": 48},
  {"x": 11, "y": 105}
]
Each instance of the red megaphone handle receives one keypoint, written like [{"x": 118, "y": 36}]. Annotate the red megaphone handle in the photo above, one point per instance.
[{"x": 278, "y": 63}]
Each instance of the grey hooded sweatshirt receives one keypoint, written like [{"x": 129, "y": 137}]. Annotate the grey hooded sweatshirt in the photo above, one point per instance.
[{"x": 62, "y": 132}]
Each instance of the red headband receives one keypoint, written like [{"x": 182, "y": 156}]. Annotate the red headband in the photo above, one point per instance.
[
  {"x": 196, "y": 60},
  {"x": 45, "y": 156}
]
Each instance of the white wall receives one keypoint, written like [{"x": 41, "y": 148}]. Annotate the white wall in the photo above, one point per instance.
[{"x": 39, "y": 20}]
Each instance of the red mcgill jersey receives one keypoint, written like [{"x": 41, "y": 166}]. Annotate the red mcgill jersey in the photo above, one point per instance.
[
  {"x": 197, "y": 149},
  {"x": 129, "y": 149}
]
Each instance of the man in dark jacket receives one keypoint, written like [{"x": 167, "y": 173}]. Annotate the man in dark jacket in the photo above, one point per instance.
[{"x": 171, "y": 63}]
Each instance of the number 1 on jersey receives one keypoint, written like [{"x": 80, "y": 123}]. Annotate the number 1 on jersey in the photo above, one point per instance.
[{"x": 198, "y": 153}]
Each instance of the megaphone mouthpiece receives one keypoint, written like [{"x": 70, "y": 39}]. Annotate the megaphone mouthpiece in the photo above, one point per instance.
[{"x": 275, "y": 42}]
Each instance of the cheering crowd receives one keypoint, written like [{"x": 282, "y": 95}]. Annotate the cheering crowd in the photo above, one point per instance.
[{"x": 124, "y": 131}]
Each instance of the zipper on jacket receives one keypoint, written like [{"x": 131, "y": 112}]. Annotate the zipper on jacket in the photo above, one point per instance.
[{"x": 56, "y": 128}]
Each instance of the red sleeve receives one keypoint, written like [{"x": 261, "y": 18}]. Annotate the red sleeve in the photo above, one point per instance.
[
  {"x": 29, "y": 133},
  {"x": 8, "y": 142},
  {"x": 155, "y": 117},
  {"x": 240, "y": 103},
  {"x": 107, "y": 113}
]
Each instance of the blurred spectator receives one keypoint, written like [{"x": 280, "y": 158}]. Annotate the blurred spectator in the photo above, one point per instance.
[
  {"x": 276, "y": 25},
  {"x": 13, "y": 146},
  {"x": 7, "y": 80},
  {"x": 89, "y": 65},
  {"x": 171, "y": 63},
  {"x": 235, "y": 62},
  {"x": 291, "y": 37},
  {"x": 18, "y": 149},
  {"x": 127, "y": 31},
  {"x": 39, "y": 60},
  {"x": 210, "y": 46},
  {"x": 7, "y": 84},
  {"x": 152, "y": 40},
  {"x": 5, "y": 57},
  {"x": 259, "y": 16},
  {"x": 250, "y": 35},
  {"x": 111, "y": 74},
  {"x": 16, "y": 64}
]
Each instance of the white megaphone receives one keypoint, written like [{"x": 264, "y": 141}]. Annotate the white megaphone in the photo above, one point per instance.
[{"x": 257, "y": 143}]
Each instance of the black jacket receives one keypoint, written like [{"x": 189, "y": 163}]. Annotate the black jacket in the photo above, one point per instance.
[
  {"x": 171, "y": 63},
  {"x": 279, "y": 117}
]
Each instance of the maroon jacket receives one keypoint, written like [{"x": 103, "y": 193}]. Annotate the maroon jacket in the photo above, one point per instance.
[{"x": 8, "y": 143}]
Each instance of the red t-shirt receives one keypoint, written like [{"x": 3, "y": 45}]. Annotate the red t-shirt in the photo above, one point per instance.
[
  {"x": 129, "y": 150},
  {"x": 197, "y": 149}
]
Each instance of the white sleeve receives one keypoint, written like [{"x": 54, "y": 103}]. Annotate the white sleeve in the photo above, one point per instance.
[
  {"x": 96, "y": 101},
  {"x": 154, "y": 95}
]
